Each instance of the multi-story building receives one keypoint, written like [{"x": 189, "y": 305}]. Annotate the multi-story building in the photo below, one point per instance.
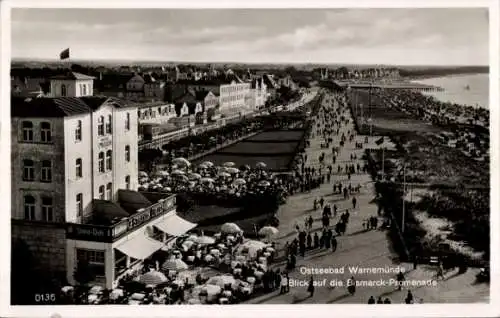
[
  {"x": 234, "y": 94},
  {"x": 258, "y": 94},
  {"x": 74, "y": 182}
]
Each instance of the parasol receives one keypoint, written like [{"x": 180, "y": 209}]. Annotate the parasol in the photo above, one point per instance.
[
  {"x": 230, "y": 228},
  {"x": 229, "y": 164},
  {"x": 174, "y": 264},
  {"x": 239, "y": 182},
  {"x": 264, "y": 183},
  {"x": 152, "y": 278},
  {"x": 261, "y": 165},
  {"x": 268, "y": 231},
  {"x": 205, "y": 240},
  {"x": 182, "y": 162}
]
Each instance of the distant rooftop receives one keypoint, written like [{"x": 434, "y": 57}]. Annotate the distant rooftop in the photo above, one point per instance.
[{"x": 73, "y": 76}]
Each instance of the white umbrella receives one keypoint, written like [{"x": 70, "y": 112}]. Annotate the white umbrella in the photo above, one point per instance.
[
  {"x": 264, "y": 183},
  {"x": 205, "y": 240},
  {"x": 261, "y": 165},
  {"x": 211, "y": 289},
  {"x": 194, "y": 176},
  {"x": 230, "y": 228},
  {"x": 183, "y": 162},
  {"x": 143, "y": 180},
  {"x": 178, "y": 172},
  {"x": 162, "y": 174},
  {"x": 192, "y": 237},
  {"x": 187, "y": 244},
  {"x": 268, "y": 231},
  {"x": 208, "y": 164},
  {"x": 224, "y": 174},
  {"x": 232, "y": 170},
  {"x": 116, "y": 293},
  {"x": 143, "y": 174},
  {"x": 152, "y": 278},
  {"x": 96, "y": 290},
  {"x": 175, "y": 264},
  {"x": 229, "y": 164},
  {"x": 222, "y": 281},
  {"x": 207, "y": 180},
  {"x": 239, "y": 181}
]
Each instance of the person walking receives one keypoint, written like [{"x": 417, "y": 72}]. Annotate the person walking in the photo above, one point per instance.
[
  {"x": 284, "y": 284},
  {"x": 409, "y": 298},
  {"x": 310, "y": 287},
  {"x": 354, "y": 201},
  {"x": 400, "y": 277}
]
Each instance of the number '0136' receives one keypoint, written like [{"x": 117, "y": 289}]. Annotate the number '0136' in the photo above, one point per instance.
[{"x": 44, "y": 298}]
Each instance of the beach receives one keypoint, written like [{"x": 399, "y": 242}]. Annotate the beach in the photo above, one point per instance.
[{"x": 455, "y": 89}]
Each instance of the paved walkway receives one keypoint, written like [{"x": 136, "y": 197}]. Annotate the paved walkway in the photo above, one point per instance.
[{"x": 366, "y": 249}]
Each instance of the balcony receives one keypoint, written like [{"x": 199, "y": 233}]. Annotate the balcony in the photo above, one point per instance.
[{"x": 97, "y": 230}]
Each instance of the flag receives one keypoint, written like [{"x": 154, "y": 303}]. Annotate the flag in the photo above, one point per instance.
[
  {"x": 379, "y": 141},
  {"x": 64, "y": 54}
]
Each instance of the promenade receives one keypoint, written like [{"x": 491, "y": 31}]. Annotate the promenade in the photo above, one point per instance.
[{"x": 366, "y": 249}]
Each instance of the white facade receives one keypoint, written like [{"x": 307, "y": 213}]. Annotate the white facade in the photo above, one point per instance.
[
  {"x": 258, "y": 95},
  {"x": 71, "y": 87},
  {"x": 158, "y": 113},
  {"x": 234, "y": 95}
]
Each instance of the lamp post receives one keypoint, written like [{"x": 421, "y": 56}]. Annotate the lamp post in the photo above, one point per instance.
[{"x": 404, "y": 194}]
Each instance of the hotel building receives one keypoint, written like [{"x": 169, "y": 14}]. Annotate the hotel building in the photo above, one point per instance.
[{"x": 74, "y": 181}]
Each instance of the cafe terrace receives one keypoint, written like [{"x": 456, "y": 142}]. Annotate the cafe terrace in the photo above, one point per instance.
[{"x": 116, "y": 242}]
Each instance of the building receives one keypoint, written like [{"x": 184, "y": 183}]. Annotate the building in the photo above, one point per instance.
[
  {"x": 234, "y": 94},
  {"x": 74, "y": 181},
  {"x": 271, "y": 85},
  {"x": 258, "y": 94},
  {"x": 71, "y": 84}
]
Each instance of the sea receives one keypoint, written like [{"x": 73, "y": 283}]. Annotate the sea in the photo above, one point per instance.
[{"x": 467, "y": 89}]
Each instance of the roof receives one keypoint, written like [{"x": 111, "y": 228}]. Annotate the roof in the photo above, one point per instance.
[
  {"x": 73, "y": 76},
  {"x": 108, "y": 209},
  {"x": 202, "y": 94},
  {"x": 131, "y": 201},
  {"x": 61, "y": 106}
]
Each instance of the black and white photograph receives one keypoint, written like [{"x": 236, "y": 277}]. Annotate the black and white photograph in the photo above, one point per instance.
[{"x": 208, "y": 155}]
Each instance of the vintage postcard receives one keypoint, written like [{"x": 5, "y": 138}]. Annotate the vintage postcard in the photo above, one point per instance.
[{"x": 187, "y": 154}]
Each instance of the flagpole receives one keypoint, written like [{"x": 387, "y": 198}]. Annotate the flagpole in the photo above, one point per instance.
[{"x": 383, "y": 163}]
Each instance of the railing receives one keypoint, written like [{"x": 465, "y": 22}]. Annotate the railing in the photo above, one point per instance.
[{"x": 101, "y": 233}]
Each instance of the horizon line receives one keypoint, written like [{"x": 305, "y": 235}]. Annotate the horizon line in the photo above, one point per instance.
[{"x": 25, "y": 59}]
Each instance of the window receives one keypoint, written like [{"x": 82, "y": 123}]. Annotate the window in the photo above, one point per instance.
[
  {"x": 127, "y": 153},
  {"x": 101, "y": 161},
  {"x": 127, "y": 122},
  {"x": 101, "y": 193},
  {"x": 47, "y": 210},
  {"x": 28, "y": 170},
  {"x": 45, "y": 132},
  {"x": 108, "y": 160},
  {"x": 27, "y": 131},
  {"x": 46, "y": 171},
  {"x": 63, "y": 90},
  {"x": 29, "y": 207},
  {"x": 84, "y": 89},
  {"x": 127, "y": 182},
  {"x": 95, "y": 260},
  {"x": 100, "y": 126},
  {"x": 109, "y": 187},
  {"x": 79, "y": 204},
  {"x": 108, "y": 125},
  {"x": 78, "y": 131},
  {"x": 79, "y": 172}
]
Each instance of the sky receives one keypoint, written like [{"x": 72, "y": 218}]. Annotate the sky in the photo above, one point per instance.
[{"x": 450, "y": 36}]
